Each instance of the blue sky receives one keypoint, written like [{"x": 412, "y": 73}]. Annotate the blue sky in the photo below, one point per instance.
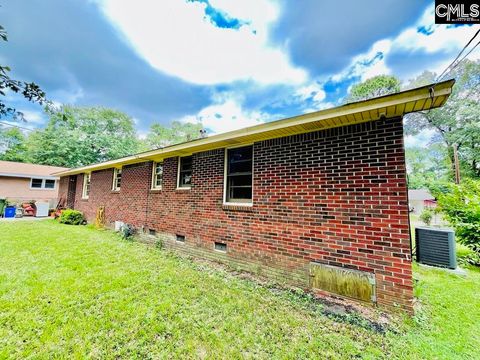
[{"x": 227, "y": 63}]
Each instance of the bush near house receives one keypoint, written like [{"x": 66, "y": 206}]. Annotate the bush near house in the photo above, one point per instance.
[
  {"x": 72, "y": 217},
  {"x": 461, "y": 206},
  {"x": 426, "y": 216}
]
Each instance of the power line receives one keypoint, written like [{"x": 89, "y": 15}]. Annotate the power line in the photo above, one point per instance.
[
  {"x": 447, "y": 71},
  {"x": 17, "y": 126},
  {"x": 463, "y": 58},
  {"x": 478, "y": 43}
]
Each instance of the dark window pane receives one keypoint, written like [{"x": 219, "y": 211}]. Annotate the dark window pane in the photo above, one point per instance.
[
  {"x": 239, "y": 174},
  {"x": 186, "y": 163},
  {"x": 239, "y": 194},
  {"x": 241, "y": 167},
  {"x": 240, "y": 180},
  {"x": 37, "y": 183},
  {"x": 49, "y": 184},
  {"x": 239, "y": 154}
]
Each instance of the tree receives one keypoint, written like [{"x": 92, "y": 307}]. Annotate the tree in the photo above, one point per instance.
[
  {"x": 78, "y": 136},
  {"x": 161, "y": 136},
  {"x": 29, "y": 90},
  {"x": 13, "y": 146},
  {"x": 426, "y": 165},
  {"x": 377, "y": 86},
  {"x": 461, "y": 206},
  {"x": 458, "y": 121}
]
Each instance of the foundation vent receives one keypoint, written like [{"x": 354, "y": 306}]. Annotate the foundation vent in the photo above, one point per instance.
[{"x": 220, "y": 247}]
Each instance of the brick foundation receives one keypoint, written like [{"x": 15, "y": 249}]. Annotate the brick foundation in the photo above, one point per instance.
[{"x": 336, "y": 196}]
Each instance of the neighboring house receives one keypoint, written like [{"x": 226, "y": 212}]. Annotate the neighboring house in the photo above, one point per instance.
[
  {"x": 317, "y": 200},
  {"x": 420, "y": 199},
  {"x": 21, "y": 182}
]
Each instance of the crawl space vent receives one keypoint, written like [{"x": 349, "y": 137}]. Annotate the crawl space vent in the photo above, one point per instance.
[{"x": 349, "y": 283}]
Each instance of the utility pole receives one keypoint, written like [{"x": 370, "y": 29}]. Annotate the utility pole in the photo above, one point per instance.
[{"x": 456, "y": 164}]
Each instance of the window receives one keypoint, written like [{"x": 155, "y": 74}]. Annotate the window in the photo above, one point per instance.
[
  {"x": 185, "y": 172},
  {"x": 239, "y": 166},
  {"x": 117, "y": 179},
  {"x": 180, "y": 238},
  {"x": 42, "y": 183},
  {"x": 86, "y": 186},
  {"x": 157, "y": 175},
  {"x": 49, "y": 184},
  {"x": 37, "y": 183}
]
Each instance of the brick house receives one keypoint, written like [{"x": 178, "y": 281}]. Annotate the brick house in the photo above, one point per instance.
[{"x": 317, "y": 201}]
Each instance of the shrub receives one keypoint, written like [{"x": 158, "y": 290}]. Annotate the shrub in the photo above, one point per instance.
[
  {"x": 72, "y": 217},
  {"x": 461, "y": 206},
  {"x": 127, "y": 231},
  {"x": 426, "y": 216}
]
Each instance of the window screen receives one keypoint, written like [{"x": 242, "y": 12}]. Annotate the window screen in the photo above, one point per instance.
[
  {"x": 185, "y": 172},
  {"x": 239, "y": 174}
]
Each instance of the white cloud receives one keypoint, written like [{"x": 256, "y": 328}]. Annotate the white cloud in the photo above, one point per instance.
[
  {"x": 34, "y": 117},
  {"x": 369, "y": 64},
  {"x": 422, "y": 139},
  {"x": 226, "y": 116},
  {"x": 314, "y": 91},
  {"x": 67, "y": 96},
  {"x": 441, "y": 40},
  {"x": 177, "y": 38}
]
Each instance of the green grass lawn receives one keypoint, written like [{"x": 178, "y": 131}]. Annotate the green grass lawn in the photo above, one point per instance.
[{"x": 75, "y": 292}]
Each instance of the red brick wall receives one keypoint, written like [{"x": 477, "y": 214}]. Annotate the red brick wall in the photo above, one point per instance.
[{"x": 336, "y": 196}]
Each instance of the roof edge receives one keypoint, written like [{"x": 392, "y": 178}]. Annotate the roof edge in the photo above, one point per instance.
[{"x": 378, "y": 104}]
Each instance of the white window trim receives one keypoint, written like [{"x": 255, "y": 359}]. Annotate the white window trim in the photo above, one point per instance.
[
  {"x": 225, "y": 166},
  {"x": 154, "y": 179},
  {"x": 42, "y": 187},
  {"x": 178, "y": 174},
  {"x": 84, "y": 187},
  {"x": 114, "y": 182}
]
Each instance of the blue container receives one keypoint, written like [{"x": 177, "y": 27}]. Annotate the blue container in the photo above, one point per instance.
[{"x": 10, "y": 212}]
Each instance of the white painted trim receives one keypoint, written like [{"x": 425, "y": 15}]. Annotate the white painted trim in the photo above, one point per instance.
[
  {"x": 225, "y": 165},
  {"x": 30, "y": 176},
  {"x": 178, "y": 174},
  {"x": 154, "y": 180},
  {"x": 114, "y": 180},
  {"x": 245, "y": 204},
  {"x": 84, "y": 185}
]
